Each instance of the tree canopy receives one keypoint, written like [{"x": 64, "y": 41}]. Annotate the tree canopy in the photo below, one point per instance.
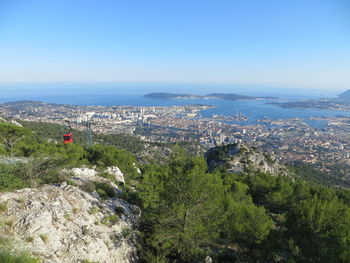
[{"x": 188, "y": 213}]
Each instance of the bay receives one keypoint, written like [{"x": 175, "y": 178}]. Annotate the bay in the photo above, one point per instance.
[{"x": 128, "y": 94}]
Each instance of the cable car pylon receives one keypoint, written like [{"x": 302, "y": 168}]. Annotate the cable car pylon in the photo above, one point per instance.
[{"x": 88, "y": 125}]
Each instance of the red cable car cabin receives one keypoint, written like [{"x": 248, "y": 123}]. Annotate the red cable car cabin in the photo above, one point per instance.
[{"x": 68, "y": 138}]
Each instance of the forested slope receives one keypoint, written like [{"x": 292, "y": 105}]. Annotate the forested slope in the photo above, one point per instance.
[
  {"x": 190, "y": 213},
  {"x": 250, "y": 216}
]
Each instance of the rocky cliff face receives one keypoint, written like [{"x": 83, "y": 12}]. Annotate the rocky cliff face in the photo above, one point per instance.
[
  {"x": 239, "y": 157},
  {"x": 63, "y": 224}
]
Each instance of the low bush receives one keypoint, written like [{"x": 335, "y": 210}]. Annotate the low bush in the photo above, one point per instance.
[
  {"x": 3, "y": 207},
  {"x": 110, "y": 220},
  {"x": 119, "y": 210},
  {"x": 93, "y": 210},
  {"x": 14, "y": 257},
  {"x": 105, "y": 189},
  {"x": 88, "y": 187},
  {"x": 126, "y": 232}
]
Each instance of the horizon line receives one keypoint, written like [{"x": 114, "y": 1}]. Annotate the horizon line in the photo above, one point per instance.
[{"x": 270, "y": 85}]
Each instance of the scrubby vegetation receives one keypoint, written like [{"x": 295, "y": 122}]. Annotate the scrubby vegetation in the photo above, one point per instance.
[
  {"x": 189, "y": 214},
  {"x": 144, "y": 151},
  {"x": 312, "y": 174},
  {"x": 7, "y": 256},
  {"x": 29, "y": 161},
  {"x": 44, "y": 131}
]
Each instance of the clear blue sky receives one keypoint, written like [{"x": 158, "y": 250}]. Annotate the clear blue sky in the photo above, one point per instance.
[{"x": 267, "y": 42}]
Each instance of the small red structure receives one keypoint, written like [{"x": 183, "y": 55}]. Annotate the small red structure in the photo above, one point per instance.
[{"x": 68, "y": 138}]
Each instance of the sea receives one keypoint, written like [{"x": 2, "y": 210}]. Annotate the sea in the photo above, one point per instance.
[{"x": 127, "y": 93}]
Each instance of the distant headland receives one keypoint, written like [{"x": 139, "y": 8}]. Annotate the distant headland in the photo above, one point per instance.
[
  {"x": 225, "y": 96},
  {"x": 342, "y": 103}
]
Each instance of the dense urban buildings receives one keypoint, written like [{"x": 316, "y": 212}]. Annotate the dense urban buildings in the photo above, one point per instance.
[{"x": 290, "y": 139}]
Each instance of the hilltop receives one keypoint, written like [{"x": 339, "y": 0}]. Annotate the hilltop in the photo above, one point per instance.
[{"x": 236, "y": 158}]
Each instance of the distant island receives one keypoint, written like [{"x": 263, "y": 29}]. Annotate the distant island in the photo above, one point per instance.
[{"x": 225, "y": 96}]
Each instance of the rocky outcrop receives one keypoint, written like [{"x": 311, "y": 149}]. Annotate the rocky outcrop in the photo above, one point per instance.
[
  {"x": 239, "y": 158},
  {"x": 115, "y": 171},
  {"x": 64, "y": 224},
  {"x": 10, "y": 121},
  {"x": 88, "y": 174}
]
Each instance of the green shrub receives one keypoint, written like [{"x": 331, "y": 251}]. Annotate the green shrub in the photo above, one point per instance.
[
  {"x": 107, "y": 190},
  {"x": 132, "y": 197},
  {"x": 102, "y": 193},
  {"x": 119, "y": 210},
  {"x": 107, "y": 176},
  {"x": 126, "y": 232},
  {"x": 29, "y": 239},
  {"x": 88, "y": 187},
  {"x": 11, "y": 257},
  {"x": 10, "y": 179},
  {"x": 88, "y": 261},
  {"x": 71, "y": 182},
  {"x": 104, "y": 156},
  {"x": 9, "y": 223},
  {"x": 66, "y": 216},
  {"x": 3, "y": 207},
  {"x": 110, "y": 220},
  {"x": 93, "y": 210},
  {"x": 44, "y": 238}
]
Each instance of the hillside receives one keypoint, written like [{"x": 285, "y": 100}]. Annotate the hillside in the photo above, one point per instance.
[
  {"x": 144, "y": 152},
  {"x": 71, "y": 214},
  {"x": 70, "y": 203}
]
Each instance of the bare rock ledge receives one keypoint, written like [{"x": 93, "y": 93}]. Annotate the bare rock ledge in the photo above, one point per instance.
[{"x": 63, "y": 224}]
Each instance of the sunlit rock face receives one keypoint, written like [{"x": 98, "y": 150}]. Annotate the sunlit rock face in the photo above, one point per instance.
[
  {"x": 238, "y": 158},
  {"x": 63, "y": 224}
]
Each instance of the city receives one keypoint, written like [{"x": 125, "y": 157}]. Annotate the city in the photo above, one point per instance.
[{"x": 289, "y": 139}]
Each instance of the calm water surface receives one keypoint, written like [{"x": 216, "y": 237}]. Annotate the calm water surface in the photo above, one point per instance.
[{"x": 131, "y": 94}]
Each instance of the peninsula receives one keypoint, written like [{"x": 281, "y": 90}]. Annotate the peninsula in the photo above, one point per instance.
[{"x": 342, "y": 103}]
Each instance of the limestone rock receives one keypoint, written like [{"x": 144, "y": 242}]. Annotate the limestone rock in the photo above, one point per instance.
[
  {"x": 114, "y": 170},
  {"x": 84, "y": 173},
  {"x": 63, "y": 224},
  {"x": 238, "y": 157}
]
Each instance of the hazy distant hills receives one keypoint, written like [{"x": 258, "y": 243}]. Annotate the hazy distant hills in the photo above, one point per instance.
[
  {"x": 345, "y": 95},
  {"x": 225, "y": 96}
]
